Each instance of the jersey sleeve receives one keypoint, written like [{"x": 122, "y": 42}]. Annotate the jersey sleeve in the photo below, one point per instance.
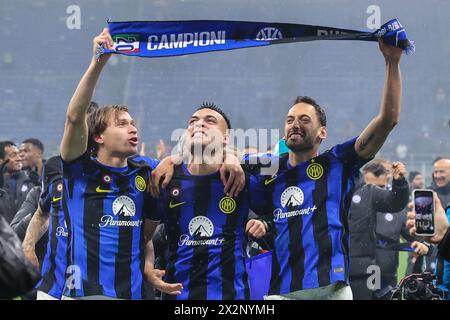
[
  {"x": 260, "y": 164},
  {"x": 79, "y": 167},
  {"x": 51, "y": 172},
  {"x": 257, "y": 199},
  {"x": 45, "y": 199},
  {"x": 153, "y": 163},
  {"x": 153, "y": 208}
]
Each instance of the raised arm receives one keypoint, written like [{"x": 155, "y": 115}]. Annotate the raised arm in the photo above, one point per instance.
[
  {"x": 75, "y": 139},
  {"x": 372, "y": 138},
  {"x": 396, "y": 199}
]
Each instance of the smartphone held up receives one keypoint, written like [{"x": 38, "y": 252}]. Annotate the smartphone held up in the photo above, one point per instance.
[{"x": 424, "y": 207}]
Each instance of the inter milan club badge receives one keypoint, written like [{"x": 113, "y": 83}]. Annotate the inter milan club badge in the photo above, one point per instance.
[
  {"x": 227, "y": 205},
  {"x": 314, "y": 171},
  {"x": 140, "y": 183}
]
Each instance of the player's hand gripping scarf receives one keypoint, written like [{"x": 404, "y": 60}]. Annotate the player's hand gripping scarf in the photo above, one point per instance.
[{"x": 173, "y": 38}]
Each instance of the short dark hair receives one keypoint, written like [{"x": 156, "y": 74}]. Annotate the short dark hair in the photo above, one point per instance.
[
  {"x": 319, "y": 111},
  {"x": 212, "y": 106},
  {"x": 35, "y": 142},
  {"x": 413, "y": 174},
  {"x": 376, "y": 168},
  {"x": 3, "y": 145}
]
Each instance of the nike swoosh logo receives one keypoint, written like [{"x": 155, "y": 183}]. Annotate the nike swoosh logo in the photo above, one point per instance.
[
  {"x": 100, "y": 190},
  {"x": 268, "y": 181},
  {"x": 56, "y": 199},
  {"x": 174, "y": 205}
]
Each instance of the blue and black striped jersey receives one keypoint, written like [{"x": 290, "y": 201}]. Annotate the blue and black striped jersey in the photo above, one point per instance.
[
  {"x": 105, "y": 208},
  {"x": 55, "y": 261},
  {"x": 309, "y": 204},
  {"x": 206, "y": 235}
]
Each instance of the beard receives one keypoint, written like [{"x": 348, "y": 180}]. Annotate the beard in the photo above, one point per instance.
[{"x": 306, "y": 144}]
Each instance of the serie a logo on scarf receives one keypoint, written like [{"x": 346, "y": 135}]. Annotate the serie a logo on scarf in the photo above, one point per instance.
[
  {"x": 268, "y": 34},
  {"x": 227, "y": 205},
  {"x": 126, "y": 42}
]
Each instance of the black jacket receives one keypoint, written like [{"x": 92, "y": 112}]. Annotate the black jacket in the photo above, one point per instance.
[
  {"x": 17, "y": 275},
  {"x": 366, "y": 202},
  {"x": 22, "y": 220},
  {"x": 6, "y": 206},
  {"x": 389, "y": 228},
  {"x": 23, "y": 185}
]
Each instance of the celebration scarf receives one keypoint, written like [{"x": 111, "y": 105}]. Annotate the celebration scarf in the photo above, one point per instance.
[{"x": 173, "y": 38}]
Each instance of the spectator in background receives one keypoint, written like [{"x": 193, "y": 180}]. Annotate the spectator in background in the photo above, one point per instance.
[
  {"x": 416, "y": 180},
  {"x": 441, "y": 179},
  {"x": 16, "y": 182},
  {"x": 20, "y": 223},
  {"x": 22, "y": 218},
  {"x": 5, "y": 205},
  {"x": 17, "y": 275},
  {"x": 9, "y": 156},
  {"x": 387, "y": 178},
  {"x": 389, "y": 228},
  {"x": 31, "y": 154},
  {"x": 442, "y": 235},
  {"x": 441, "y": 185},
  {"x": 370, "y": 197}
]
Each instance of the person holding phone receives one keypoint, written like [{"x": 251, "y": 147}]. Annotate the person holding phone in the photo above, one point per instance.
[{"x": 441, "y": 235}]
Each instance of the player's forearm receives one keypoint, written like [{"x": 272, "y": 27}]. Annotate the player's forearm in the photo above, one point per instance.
[
  {"x": 392, "y": 95},
  {"x": 36, "y": 229},
  {"x": 373, "y": 137},
  {"x": 78, "y": 105},
  {"x": 149, "y": 255},
  {"x": 75, "y": 138}
]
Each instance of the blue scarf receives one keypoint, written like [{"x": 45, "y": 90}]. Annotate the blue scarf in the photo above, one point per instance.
[{"x": 174, "y": 38}]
